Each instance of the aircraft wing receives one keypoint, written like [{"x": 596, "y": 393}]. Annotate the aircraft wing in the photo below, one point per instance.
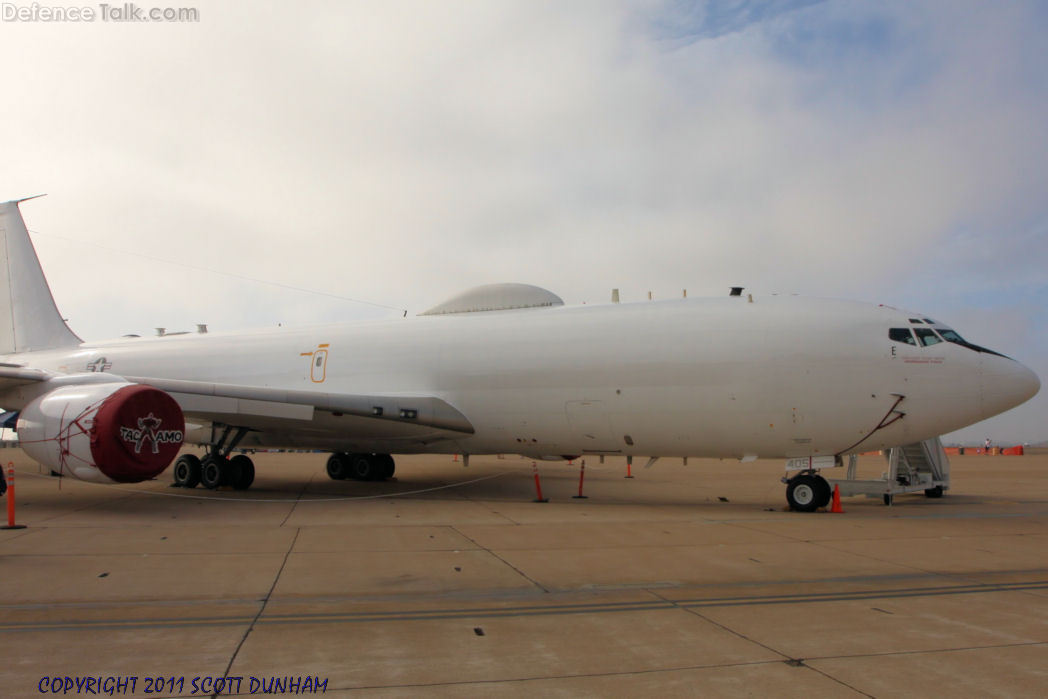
[
  {"x": 393, "y": 416},
  {"x": 208, "y": 399}
]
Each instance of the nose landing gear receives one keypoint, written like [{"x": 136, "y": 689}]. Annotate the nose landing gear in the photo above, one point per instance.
[{"x": 807, "y": 492}]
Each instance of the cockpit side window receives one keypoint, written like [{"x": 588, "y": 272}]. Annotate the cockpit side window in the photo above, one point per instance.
[
  {"x": 952, "y": 336},
  {"x": 901, "y": 335},
  {"x": 927, "y": 336}
]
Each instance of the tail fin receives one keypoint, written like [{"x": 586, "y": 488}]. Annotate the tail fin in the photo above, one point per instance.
[{"x": 29, "y": 319}]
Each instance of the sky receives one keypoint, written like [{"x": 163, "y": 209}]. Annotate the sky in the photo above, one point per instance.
[{"x": 276, "y": 163}]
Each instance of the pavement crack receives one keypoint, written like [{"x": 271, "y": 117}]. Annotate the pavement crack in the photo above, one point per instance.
[
  {"x": 262, "y": 607},
  {"x": 518, "y": 571},
  {"x": 301, "y": 492},
  {"x": 692, "y": 610},
  {"x": 786, "y": 658},
  {"x": 929, "y": 651},
  {"x": 486, "y": 503}
]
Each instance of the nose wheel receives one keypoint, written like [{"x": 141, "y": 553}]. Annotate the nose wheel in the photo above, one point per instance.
[{"x": 807, "y": 492}]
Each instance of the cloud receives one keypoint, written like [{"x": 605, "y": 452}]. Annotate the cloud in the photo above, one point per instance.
[{"x": 687, "y": 21}]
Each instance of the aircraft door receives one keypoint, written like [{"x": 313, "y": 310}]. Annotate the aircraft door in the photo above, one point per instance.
[
  {"x": 317, "y": 363},
  {"x": 319, "y": 371}
]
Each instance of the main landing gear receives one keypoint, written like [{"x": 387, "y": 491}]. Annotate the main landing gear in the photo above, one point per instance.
[
  {"x": 217, "y": 468},
  {"x": 808, "y": 491},
  {"x": 360, "y": 467}
]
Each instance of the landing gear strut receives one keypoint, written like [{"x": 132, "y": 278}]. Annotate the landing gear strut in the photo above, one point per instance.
[
  {"x": 216, "y": 468},
  {"x": 807, "y": 492},
  {"x": 360, "y": 467}
]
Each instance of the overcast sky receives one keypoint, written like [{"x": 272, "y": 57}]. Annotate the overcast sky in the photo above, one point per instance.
[{"x": 399, "y": 152}]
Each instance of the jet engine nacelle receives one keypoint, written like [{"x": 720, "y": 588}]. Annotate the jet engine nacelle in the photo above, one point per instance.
[{"x": 106, "y": 432}]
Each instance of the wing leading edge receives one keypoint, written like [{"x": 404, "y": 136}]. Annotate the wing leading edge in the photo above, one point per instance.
[
  {"x": 227, "y": 401},
  {"x": 425, "y": 411}
]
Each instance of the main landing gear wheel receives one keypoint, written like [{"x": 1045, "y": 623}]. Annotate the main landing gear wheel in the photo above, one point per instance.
[
  {"x": 241, "y": 472},
  {"x": 807, "y": 492},
  {"x": 360, "y": 467},
  {"x": 213, "y": 471},
  {"x": 366, "y": 467},
  {"x": 389, "y": 467},
  {"x": 187, "y": 471},
  {"x": 338, "y": 467}
]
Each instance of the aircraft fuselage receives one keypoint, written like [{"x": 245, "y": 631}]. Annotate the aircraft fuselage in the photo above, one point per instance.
[{"x": 771, "y": 376}]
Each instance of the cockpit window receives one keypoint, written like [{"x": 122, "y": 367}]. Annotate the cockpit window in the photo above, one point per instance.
[
  {"x": 952, "y": 336},
  {"x": 927, "y": 336},
  {"x": 901, "y": 335},
  {"x": 929, "y": 321},
  {"x": 916, "y": 320}
]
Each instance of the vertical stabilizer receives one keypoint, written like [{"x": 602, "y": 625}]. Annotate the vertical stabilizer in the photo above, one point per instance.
[{"x": 29, "y": 319}]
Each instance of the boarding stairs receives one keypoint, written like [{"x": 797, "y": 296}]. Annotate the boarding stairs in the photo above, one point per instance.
[{"x": 921, "y": 466}]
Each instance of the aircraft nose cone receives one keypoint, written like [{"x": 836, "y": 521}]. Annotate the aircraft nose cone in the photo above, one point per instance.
[{"x": 1006, "y": 384}]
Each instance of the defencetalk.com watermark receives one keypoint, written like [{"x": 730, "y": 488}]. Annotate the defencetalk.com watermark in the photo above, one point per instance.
[{"x": 104, "y": 12}]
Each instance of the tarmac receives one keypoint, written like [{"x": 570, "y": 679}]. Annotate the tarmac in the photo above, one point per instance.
[{"x": 685, "y": 580}]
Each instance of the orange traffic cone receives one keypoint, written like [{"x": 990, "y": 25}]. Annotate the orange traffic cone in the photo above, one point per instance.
[{"x": 836, "y": 507}]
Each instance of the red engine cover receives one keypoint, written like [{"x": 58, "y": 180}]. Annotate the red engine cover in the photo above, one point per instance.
[{"x": 137, "y": 432}]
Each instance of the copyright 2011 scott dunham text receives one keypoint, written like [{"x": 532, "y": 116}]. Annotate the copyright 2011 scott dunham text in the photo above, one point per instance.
[{"x": 174, "y": 685}]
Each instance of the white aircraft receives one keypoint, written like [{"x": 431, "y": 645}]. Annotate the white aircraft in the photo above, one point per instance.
[{"x": 506, "y": 368}]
